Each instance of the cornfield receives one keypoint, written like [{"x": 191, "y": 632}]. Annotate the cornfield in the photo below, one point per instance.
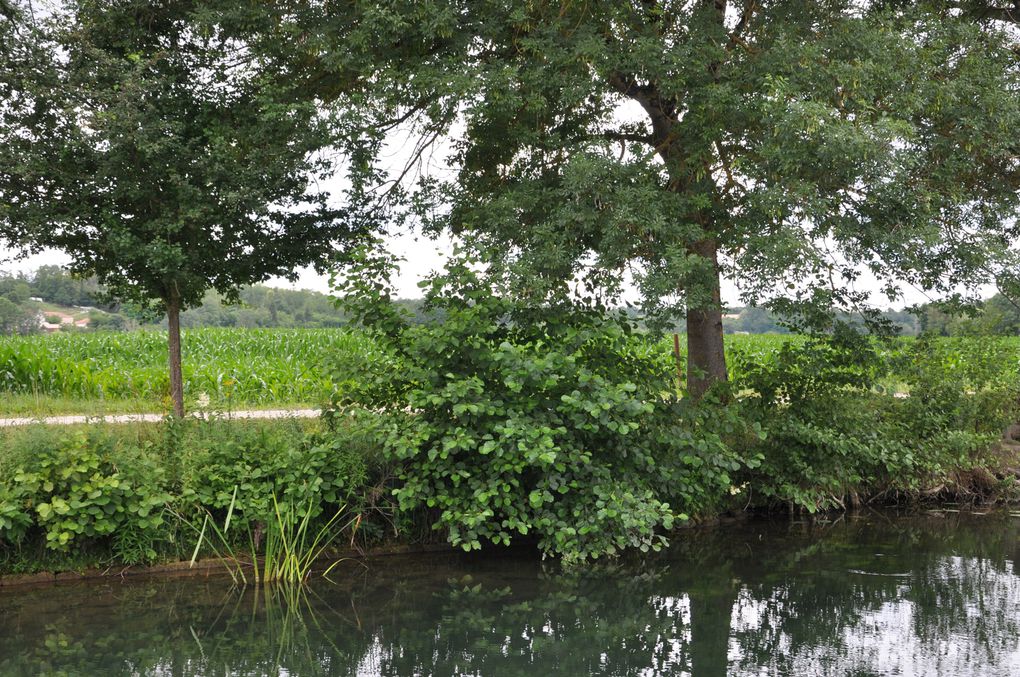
[{"x": 243, "y": 366}]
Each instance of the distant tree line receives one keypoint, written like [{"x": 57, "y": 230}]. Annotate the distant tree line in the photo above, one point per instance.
[
  {"x": 996, "y": 316},
  {"x": 758, "y": 320},
  {"x": 257, "y": 305},
  {"x": 260, "y": 306}
]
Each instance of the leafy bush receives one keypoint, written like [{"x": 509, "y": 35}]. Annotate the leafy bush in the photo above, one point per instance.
[
  {"x": 86, "y": 495},
  {"x": 553, "y": 422},
  {"x": 833, "y": 430},
  {"x": 282, "y": 459},
  {"x": 86, "y": 487},
  {"x": 966, "y": 384}
]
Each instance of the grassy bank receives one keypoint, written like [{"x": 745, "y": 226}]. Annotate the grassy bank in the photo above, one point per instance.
[{"x": 75, "y": 497}]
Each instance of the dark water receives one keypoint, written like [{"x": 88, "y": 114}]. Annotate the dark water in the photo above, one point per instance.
[{"x": 871, "y": 595}]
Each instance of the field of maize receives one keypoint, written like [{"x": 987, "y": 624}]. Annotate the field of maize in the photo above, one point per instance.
[{"x": 249, "y": 367}]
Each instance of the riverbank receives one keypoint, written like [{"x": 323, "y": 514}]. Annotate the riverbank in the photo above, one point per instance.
[
  {"x": 201, "y": 568},
  {"x": 220, "y": 567},
  {"x": 100, "y": 496},
  {"x": 196, "y": 468},
  {"x": 563, "y": 449}
]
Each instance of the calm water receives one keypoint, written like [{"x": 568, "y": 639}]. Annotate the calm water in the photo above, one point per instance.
[{"x": 871, "y": 595}]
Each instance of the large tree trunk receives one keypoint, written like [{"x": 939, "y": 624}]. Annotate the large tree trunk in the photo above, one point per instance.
[
  {"x": 173, "y": 318},
  {"x": 706, "y": 360}
]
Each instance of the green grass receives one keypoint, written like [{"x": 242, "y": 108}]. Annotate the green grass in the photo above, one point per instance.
[{"x": 41, "y": 405}]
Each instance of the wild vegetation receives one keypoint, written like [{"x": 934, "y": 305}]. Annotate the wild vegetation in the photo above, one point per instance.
[
  {"x": 821, "y": 156},
  {"x": 132, "y": 494},
  {"x": 566, "y": 431}
]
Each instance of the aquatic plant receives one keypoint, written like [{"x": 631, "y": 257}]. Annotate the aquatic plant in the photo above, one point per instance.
[{"x": 292, "y": 544}]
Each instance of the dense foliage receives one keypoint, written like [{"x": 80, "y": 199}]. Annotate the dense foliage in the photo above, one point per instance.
[
  {"x": 85, "y": 489},
  {"x": 79, "y": 496},
  {"x": 795, "y": 147},
  {"x": 837, "y": 430},
  {"x": 557, "y": 423},
  {"x": 134, "y": 142},
  {"x": 249, "y": 468},
  {"x": 501, "y": 421},
  {"x": 790, "y": 146},
  {"x": 566, "y": 425}
]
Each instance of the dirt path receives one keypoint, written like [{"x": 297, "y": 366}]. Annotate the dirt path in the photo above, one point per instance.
[{"x": 155, "y": 418}]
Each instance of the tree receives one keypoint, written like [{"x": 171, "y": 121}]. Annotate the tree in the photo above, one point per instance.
[
  {"x": 147, "y": 144},
  {"x": 56, "y": 285},
  {"x": 15, "y": 319},
  {"x": 15, "y": 289},
  {"x": 787, "y": 144}
]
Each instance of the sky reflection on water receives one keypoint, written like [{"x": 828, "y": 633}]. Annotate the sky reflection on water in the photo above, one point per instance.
[{"x": 869, "y": 595}]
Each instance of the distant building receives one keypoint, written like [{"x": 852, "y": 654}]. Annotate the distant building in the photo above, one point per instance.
[{"x": 65, "y": 321}]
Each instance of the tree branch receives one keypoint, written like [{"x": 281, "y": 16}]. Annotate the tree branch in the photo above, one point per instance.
[
  {"x": 661, "y": 112},
  {"x": 982, "y": 11},
  {"x": 626, "y": 136}
]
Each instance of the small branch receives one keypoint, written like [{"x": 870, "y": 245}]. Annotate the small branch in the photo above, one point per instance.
[
  {"x": 1007, "y": 14},
  {"x": 745, "y": 18},
  {"x": 625, "y": 136}
]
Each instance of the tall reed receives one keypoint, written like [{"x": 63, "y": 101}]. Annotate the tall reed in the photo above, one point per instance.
[{"x": 292, "y": 545}]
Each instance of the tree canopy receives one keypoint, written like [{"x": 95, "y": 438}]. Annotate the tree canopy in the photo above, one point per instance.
[
  {"x": 793, "y": 147},
  {"x": 146, "y": 143},
  {"x": 790, "y": 146}
]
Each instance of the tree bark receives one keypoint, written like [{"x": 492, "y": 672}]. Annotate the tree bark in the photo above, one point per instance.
[
  {"x": 173, "y": 317},
  {"x": 706, "y": 359}
]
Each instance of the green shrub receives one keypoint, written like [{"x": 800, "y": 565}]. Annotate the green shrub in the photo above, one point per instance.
[
  {"x": 86, "y": 487},
  {"x": 79, "y": 496},
  {"x": 552, "y": 422},
  {"x": 832, "y": 429},
  {"x": 299, "y": 466},
  {"x": 965, "y": 384}
]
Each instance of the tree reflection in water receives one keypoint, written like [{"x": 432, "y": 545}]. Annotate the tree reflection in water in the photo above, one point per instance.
[{"x": 872, "y": 595}]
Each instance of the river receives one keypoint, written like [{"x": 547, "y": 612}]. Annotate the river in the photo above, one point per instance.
[{"x": 876, "y": 593}]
